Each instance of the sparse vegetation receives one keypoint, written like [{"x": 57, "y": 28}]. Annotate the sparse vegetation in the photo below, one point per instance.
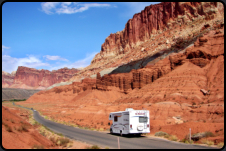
[
  {"x": 101, "y": 129},
  {"x": 15, "y": 100},
  {"x": 22, "y": 127},
  {"x": 221, "y": 144},
  {"x": 209, "y": 143},
  {"x": 209, "y": 134},
  {"x": 173, "y": 138},
  {"x": 8, "y": 128},
  {"x": 160, "y": 133},
  {"x": 186, "y": 140},
  {"x": 166, "y": 136},
  {"x": 63, "y": 141},
  {"x": 93, "y": 147},
  {"x": 35, "y": 146}
]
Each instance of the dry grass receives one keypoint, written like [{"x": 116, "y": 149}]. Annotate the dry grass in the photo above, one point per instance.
[
  {"x": 63, "y": 141},
  {"x": 221, "y": 144},
  {"x": 209, "y": 143},
  {"x": 160, "y": 133},
  {"x": 35, "y": 146},
  {"x": 93, "y": 147},
  {"x": 173, "y": 138},
  {"x": 22, "y": 127}
]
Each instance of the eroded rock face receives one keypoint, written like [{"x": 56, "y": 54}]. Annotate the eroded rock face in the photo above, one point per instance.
[
  {"x": 153, "y": 19},
  {"x": 7, "y": 79},
  {"x": 32, "y": 78}
]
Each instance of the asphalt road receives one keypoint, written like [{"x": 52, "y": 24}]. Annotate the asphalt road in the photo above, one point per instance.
[{"x": 111, "y": 141}]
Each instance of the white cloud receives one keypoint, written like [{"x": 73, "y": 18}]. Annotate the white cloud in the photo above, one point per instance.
[
  {"x": 10, "y": 64},
  {"x": 68, "y": 7},
  {"x": 48, "y": 57},
  {"x": 78, "y": 64},
  {"x": 48, "y": 6},
  {"x": 4, "y": 47}
]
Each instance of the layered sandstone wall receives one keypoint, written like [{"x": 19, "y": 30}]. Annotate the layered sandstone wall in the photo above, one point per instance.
[
  {"x": 153, "y": 19},
  {"x": 205, "y": 49}
]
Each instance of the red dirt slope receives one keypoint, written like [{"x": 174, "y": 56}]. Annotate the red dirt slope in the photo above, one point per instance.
[{"x": 16, "y": 139}]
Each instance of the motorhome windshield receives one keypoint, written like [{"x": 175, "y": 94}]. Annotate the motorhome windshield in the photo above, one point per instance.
[{"x": 143, "y": 119}]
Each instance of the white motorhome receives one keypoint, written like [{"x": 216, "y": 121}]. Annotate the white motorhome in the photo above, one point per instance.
[{"x": 130, "y": 121}]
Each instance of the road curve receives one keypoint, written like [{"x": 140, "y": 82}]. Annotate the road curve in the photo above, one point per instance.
[{"x": 111, "y": 141}]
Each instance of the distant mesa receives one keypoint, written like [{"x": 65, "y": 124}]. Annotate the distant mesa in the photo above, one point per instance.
[{"x": 30, "y": 78}]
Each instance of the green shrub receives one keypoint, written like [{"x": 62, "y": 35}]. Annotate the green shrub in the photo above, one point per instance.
[
  {"x": 160, "y": 133},
  {"x": 15, "y": 100}
]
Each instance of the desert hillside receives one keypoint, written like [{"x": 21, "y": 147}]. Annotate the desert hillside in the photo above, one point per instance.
[
  {"x": 14, "y": 126},
  {"x": 176, "y": 71}
]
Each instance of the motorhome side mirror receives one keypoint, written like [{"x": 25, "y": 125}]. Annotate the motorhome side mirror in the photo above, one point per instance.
[{"x": 108, "y": 123}]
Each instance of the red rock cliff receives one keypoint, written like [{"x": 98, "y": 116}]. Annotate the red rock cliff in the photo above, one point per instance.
[
  {"x": 39, "y": 78},
  {"x": 153, "y": 19},
  {"x": 7, "y": 79}
]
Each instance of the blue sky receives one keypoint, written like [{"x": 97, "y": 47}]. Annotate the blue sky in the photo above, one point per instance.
[{"x": 56, "y": 35}]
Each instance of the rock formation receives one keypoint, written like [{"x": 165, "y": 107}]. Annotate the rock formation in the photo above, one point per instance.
[
  {"x": 152, "y": 19},
  {"x": 7, "y": 79},
  {"x": 36, "y": 79}
]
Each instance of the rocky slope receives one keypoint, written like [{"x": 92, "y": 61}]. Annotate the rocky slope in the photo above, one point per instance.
[
  {"x": 30, "y": 78},
  {"x": 165, "y": 27}
]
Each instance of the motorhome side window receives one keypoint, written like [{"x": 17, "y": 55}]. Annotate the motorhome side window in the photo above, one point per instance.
[
  {"x": 143, "y": 119},
  {"x": 115, "y": 118}
]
